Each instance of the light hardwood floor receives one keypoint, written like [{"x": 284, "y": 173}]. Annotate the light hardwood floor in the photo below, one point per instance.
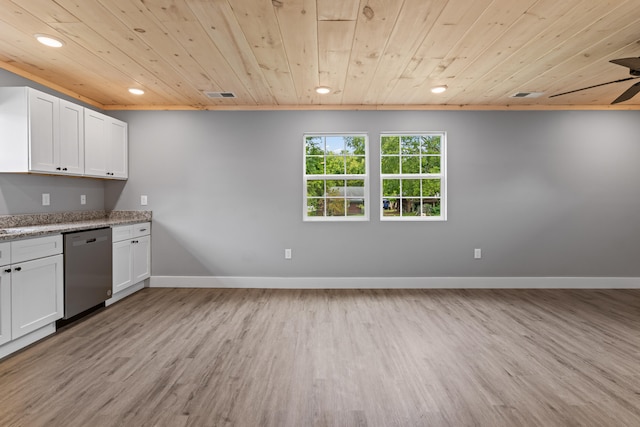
[{"x": 212, "y": 357}]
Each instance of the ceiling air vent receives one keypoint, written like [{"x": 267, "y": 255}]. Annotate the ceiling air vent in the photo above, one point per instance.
[
  {"x": 220, "y": 94},
  {"x": 526, "y": 95}
]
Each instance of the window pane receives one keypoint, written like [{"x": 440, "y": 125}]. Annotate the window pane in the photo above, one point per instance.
[
  {"x": 390, "y": 145},
  {"x": 335, "y": 207},
  {"x": 431, "y": 144},
  {"x": 390, "y": 207},
  {"x": 431, "y": 164},
  {"x": 335, "y": 165},
  {"x": 314, "y": 145},
  {"x": 335, "y": 188},
  {"x": 355, "y": 188},
  {"x": 355, "y": 207},
  {"x": 315, "y": 166},
  {"x": 431, "y": 187},
  {"x": 410, "y": 145},
  {"x": 335, "y": 144},
  {"x": 390, "y": 164},
  {"x": 431, "y": 207},
  {"x": 315, "y": 188},
  {"x": 410, "y": 207},
  {"x": 390, "y": 187},
  {"x": 355, "y": 165},
  {"x": 354, "y": 145},
  {"x": 411, "y": 187},
  {"x": 315, "y": 207},
  {"x": 411, "y": 164}
]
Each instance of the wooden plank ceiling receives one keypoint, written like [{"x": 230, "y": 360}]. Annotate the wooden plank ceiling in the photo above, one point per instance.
[{"x": 373, "y": 54}]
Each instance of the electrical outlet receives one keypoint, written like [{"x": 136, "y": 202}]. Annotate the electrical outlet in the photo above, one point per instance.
[
  {"x": 83, "y": 199},
  {"x": 477, "y": 253},
  {"x": 287, "y": 254},
  {"x": 46, "y": 199},
  {"x": 143, "y": 200}
]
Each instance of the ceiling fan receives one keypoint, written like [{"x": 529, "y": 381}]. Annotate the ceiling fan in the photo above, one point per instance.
[{"x": 633, "y": 64}]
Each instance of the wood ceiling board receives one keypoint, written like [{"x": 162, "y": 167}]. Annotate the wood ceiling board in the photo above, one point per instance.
[
  {"x": 129, "y": 44},
  {"x": 449, "y": 28},
  {"x": 156, "y": 92},
  {"x": 299, "y": 28},
  {"x": 506, "y": 53},
  {"x": 584, "y": 31},
  {"x": 9, "y": 66},
  {"x": 260, "y": 26},
  {"x": 47, "y": 11},
  {"x": 415, "y": 21},
  {"x": 140, "y": 22},
  {"x": 267, "y": 55},
  {"x": 492, "y": 23},
  {"x": 338, "y": 10},
  {"x": 375, "y": 24},
  {"x": 186, "y": 29},
  {"x": 74, "y": 69},
  {"x": 601, "y": 52},
  {"x": 218, "y": 20},
  {"x": 334, "y": 49}
]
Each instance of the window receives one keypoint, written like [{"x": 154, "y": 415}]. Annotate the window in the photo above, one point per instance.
[
  {"x": 413, "y": 177},
  {"x": 336, "y": 182}
]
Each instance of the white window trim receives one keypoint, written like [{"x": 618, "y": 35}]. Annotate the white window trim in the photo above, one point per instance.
[
  {"x": 365, "y": 178},
  {"x": 442, "y": 176}
]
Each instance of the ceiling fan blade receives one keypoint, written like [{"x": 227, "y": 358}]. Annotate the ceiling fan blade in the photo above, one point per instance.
[
  {"x": 591, "y": 87},
  {"x": 628, "y": 94},
  {"x": 631, "y": 63}
]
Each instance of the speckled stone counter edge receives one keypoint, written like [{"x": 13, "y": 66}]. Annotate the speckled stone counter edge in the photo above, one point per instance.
[{"x": 27, "y": 220}]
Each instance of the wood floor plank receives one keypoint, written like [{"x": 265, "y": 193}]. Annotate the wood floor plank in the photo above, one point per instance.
[{"x": 256, "y": 357}]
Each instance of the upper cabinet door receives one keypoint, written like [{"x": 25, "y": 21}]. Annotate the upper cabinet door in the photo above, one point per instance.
[
  {"x": 95, "y": 144},
  {"x": 105, "y": 146},
  {"x": 71, "y": 138},
  {"x": 118, "y": 146},
  {"x": 43, "y": 132}
]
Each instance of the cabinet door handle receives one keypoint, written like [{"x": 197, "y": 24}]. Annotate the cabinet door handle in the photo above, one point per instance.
[{"x": 17, "y": 269}]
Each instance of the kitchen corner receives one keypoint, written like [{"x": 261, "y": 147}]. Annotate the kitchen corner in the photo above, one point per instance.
[{"x": 106, "y": 257}]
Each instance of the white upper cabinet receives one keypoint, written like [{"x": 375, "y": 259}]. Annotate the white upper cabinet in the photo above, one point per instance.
[
  {"x": 40, "y": 133},
  {"x": 106, "y": 146}
]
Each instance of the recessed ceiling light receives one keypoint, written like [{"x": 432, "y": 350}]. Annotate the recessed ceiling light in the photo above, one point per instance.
[
  {"x": 136, "y": 91},
  {"x": 438, "y": 89},
  {"x": 323, "y": 90},
  {"x": 49, "y": 40}
]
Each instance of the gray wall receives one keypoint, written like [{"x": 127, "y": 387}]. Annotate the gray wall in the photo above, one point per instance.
[
  {"x": 22, "y": 193},
  {"x": 542, "y": 193}
]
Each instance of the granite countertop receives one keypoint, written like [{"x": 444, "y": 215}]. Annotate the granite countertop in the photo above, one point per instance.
[{"x": 23, "y": 226}]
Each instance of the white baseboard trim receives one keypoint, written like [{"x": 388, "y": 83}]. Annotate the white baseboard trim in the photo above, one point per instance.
[{"x": 395, "y": 282}]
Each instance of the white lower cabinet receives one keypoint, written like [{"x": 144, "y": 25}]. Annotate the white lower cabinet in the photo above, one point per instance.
[
  {"x": 31, "y": 288},
  {"x": 37, "y": 294},
  {"x": 131, "y": 255}
]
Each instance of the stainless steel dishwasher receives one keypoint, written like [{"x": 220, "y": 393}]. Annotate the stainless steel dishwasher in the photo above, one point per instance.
[{"x": 87, "y": 270}]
